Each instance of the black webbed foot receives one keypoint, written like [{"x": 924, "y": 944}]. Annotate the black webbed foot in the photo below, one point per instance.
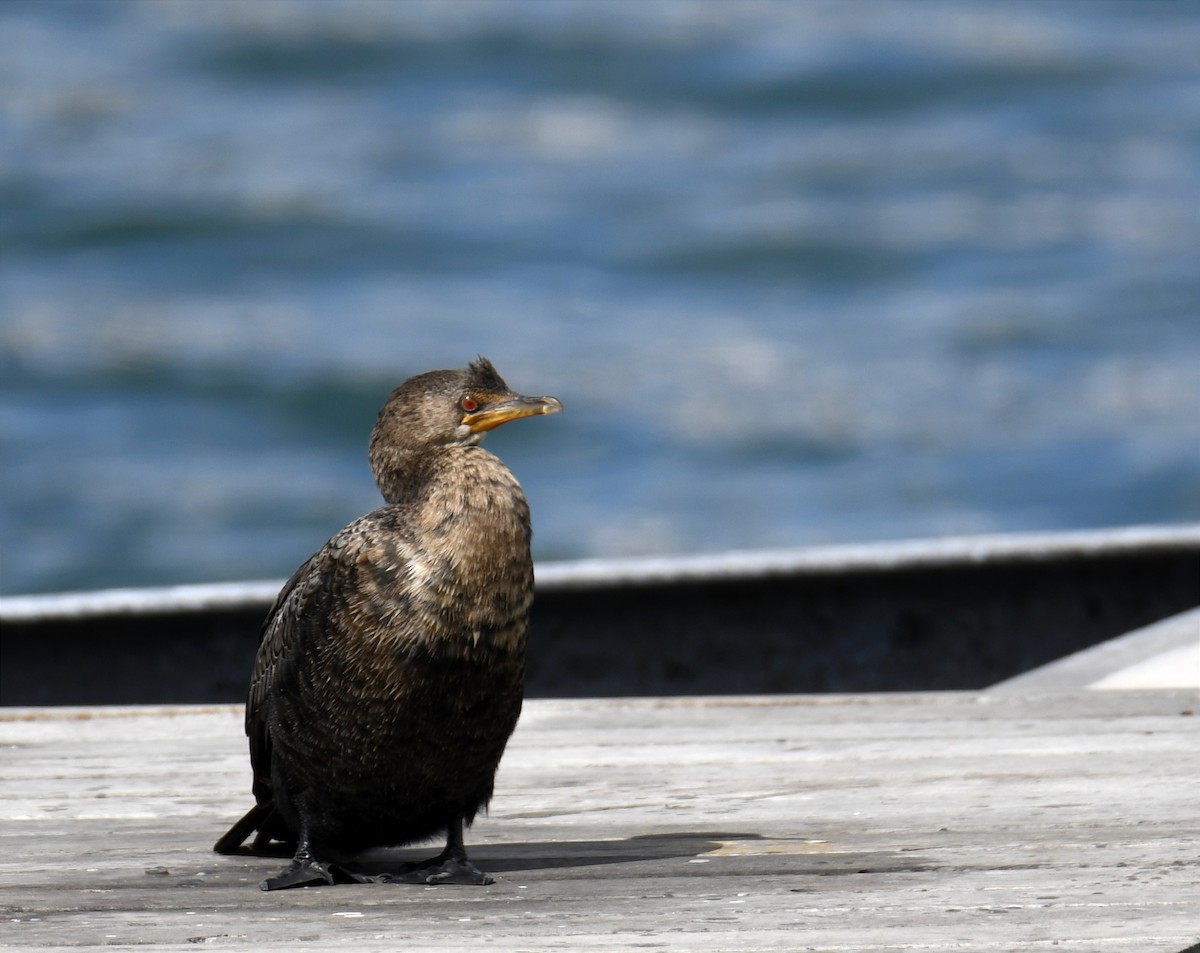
[
  {"x": 300, "y": 874},
  {"x": 442, "y": 869},
  {"x": 314, "y": 873},
  {"x": 306, "y": 870},
  {"x": 451, "y": 866}
]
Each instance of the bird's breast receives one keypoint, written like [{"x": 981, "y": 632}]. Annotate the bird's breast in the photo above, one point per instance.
[{"x": 455, "y": 578}]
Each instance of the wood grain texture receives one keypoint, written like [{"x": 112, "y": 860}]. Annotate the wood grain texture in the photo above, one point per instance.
[{"x": 939, "y": 821}]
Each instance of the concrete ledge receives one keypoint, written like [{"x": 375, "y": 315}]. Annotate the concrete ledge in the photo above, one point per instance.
[
  {"x": 903, "y": 555},
  {"x": 908, "y": 616},
  {"x": 995, "y": 549},
  {"x": 201, "y": 597}
]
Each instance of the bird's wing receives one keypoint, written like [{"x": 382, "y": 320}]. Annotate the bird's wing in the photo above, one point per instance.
[
  {"x": 353, "y": 575},
  {"x": 275, "y": 655},
  {"x": 304, "y": 607}
]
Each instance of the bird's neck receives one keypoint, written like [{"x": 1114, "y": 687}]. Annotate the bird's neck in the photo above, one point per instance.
[{"x": 401, "y": 475}]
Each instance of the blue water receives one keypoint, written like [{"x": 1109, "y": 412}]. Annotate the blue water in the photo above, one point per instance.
[{"x": 801, "y": 272}]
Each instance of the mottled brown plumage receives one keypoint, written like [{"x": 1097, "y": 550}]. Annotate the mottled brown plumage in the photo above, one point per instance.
[{"x": 390, "y": 673}]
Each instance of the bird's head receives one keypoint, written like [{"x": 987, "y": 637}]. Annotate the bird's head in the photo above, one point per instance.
[
  {"x": 441, "y": 409},
  {"x": 485, "y": 402}
]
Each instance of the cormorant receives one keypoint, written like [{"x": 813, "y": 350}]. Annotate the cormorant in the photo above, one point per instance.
[{"x": 391, "y": 669}]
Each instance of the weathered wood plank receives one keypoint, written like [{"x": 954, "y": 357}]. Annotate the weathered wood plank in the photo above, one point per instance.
[{"x": 883, "y": 822}]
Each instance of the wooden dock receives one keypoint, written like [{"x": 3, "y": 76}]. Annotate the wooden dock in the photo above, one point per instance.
[{"x": 937, "y": 821}]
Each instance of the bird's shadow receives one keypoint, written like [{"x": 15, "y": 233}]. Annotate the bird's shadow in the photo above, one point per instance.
[
  {"x": 737, "y": 848},
  {"x": 553, "y": 855},
  {"x": 540, "y": 855}
]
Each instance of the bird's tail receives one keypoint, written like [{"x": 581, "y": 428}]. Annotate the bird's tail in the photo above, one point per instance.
[
  {"x": 263, "y": 819},
  {"x": 254, "y": 820},
  {"x": 274, "y": 838}
]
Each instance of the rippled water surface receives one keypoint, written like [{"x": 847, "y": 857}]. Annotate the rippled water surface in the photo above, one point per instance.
[{"x": 800, "y": 272}]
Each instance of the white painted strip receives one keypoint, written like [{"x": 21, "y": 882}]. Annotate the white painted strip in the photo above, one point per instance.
[
  {"x": 1179, "y": 668},
  {"x": 583, "y": 573}
]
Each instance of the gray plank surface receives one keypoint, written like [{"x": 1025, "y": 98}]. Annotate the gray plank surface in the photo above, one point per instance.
[{"x": 939, "y": 821}]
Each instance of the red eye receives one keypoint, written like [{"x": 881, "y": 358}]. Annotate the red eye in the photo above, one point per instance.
[{"x": 469, "y": 404}]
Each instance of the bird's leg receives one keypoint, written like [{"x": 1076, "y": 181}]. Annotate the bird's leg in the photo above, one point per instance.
[
  {"x": 305, "y": 869},
  {"x": 309, "y": 870},
  {"x": 451, "y": 866}
]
